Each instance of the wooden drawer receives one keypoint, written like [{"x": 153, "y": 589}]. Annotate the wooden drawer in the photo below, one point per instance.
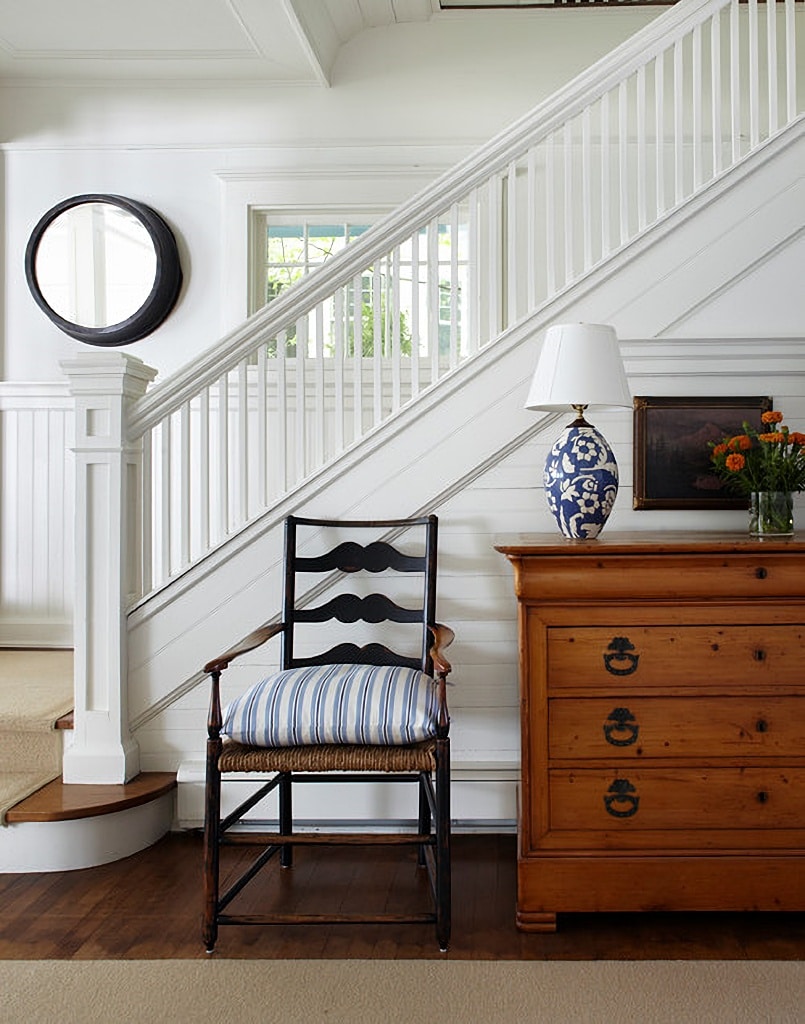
[
  {"x": 625, "y": 656},
  {"x": 591, "y": 576},
  {"x": 677, "y": 798},
  {"x": 617, "y": 728}
]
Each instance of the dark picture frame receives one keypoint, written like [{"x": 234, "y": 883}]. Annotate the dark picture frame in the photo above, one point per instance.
[{"x": 672, "y": 468}]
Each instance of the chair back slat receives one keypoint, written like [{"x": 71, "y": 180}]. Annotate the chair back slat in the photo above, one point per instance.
[
  {"x": 351, "y": 557},
  {"x": 408, "y": 576},
  {"x": 352, "y": 608},
  {"x": 352, "y": 654}
]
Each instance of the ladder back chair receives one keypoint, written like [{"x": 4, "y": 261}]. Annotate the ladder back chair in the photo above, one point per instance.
[{"x": 360, "y": 711}]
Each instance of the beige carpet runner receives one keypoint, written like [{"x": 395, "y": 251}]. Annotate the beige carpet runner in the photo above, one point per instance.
[{"x": 36, "y": 689}]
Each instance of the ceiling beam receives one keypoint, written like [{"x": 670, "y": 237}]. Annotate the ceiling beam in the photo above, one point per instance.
[{"x": 317, "y": 35}]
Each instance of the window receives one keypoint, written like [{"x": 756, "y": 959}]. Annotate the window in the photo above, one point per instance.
[{"x": 288, "y": 246}]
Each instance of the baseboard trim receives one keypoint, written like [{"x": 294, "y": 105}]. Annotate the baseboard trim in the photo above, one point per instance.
[{"x": 484, "y": 799}]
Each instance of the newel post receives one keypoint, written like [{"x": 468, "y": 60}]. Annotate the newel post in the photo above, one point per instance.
[{"x": 108, "y": 492}]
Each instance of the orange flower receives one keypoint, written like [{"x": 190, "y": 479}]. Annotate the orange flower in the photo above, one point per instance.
[{"x": 754, "y": 461}]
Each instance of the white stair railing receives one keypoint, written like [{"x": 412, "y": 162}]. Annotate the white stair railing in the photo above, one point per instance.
[{"x": 487, "y": 244}]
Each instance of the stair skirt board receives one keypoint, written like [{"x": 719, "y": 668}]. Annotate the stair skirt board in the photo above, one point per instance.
[{"x": 69, "y": 845}]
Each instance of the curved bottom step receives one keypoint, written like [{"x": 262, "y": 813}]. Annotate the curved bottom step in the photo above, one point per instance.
[{"x": 65, "y": 828}]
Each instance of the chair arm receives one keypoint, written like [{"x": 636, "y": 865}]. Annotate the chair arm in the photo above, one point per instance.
[
  {"x": 443, "y": 636},
  {"x": 248, "y": 643}
]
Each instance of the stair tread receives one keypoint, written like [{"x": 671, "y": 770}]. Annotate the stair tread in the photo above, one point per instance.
[{"x": 58, "y": 801}]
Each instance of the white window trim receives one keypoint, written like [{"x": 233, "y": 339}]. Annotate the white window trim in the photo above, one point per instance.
[{"x": 353, "y": 187}]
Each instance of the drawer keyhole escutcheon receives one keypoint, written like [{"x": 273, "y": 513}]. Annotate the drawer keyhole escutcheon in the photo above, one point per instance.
[
  {"x": 761, "y": 573},
  {"x": 621, "y": 800},
  {"x": 620, "y": 728},
  {"x": 761, "y": 725},
  {"x": 759, "y": 654},
  {"x": 621, "y": 662},
  {"x": 763, "y": 797}
]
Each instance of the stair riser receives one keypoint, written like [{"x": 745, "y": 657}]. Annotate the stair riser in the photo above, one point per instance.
[{"x": 30, "y": 751}]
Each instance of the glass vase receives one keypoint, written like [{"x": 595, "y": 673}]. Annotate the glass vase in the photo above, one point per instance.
[{"x": 771, "y": 513}]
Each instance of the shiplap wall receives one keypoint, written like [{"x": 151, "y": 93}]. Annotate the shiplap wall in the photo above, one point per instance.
[
  {"x": 36, "y": 513},
  {"x": 475, "y": 591},
  {"x": 475, "y": 582}
]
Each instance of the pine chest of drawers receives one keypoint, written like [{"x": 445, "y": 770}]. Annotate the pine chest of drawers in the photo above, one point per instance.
[{"x": 662, "y": 683}]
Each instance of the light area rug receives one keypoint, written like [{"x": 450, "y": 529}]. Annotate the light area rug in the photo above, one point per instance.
[
  {"x": 401, "y": 992},
  {"x": 36, "y": 689}
]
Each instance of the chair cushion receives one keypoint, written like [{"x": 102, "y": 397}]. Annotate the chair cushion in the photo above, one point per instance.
[{"x": 363, "y": 704}]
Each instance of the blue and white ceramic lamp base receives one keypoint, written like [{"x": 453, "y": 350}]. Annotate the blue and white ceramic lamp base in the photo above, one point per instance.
[{"x": 581, "y": 481}]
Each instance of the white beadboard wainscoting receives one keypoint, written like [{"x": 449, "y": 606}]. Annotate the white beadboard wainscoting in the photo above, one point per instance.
[{"x": 36, "y": 515}]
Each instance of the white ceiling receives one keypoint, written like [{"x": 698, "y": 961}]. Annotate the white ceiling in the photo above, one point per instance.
[{"x": 269, "y": 41}]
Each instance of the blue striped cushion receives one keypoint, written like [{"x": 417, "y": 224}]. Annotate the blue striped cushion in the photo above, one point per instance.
[{"x": 363, "y": 704}]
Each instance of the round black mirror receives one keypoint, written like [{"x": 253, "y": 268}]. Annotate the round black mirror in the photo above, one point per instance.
[{"x": 104, "y": 269}]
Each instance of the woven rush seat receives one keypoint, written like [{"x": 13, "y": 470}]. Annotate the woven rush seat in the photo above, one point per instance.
[{"x": 415, "y": 757}]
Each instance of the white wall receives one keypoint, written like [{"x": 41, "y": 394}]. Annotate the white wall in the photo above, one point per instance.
[
  {"x": 407, "y": 97},
  {"x": 739, "y": 250},
  {"x": 411, "y": 97}
]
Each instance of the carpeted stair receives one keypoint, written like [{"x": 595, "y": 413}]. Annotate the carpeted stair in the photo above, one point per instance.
[{"x": 36, "y": 689}]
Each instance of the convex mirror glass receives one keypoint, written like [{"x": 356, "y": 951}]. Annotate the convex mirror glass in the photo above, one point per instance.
[{"x": 104, "y": 269}]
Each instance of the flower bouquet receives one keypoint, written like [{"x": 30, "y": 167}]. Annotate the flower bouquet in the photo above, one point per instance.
[{"x": 767, "y": 466}]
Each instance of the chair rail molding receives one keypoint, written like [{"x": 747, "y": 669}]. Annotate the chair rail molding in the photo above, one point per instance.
[{"x": 108, "y": 495}]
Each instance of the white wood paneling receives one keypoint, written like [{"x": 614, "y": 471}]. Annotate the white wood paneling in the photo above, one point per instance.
[
  {"x": 36, "y": 512},
  {"x": 475, "y": 583}
]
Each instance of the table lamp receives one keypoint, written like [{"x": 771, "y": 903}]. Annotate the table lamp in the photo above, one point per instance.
[{"x": 580, "y": 365}]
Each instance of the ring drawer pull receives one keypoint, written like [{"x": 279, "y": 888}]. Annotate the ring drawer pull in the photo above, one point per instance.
[
  {"x": 763, "y": 797},
  {"x": 761, "y": 573},
  {"x": 621, "y": 662},
  {"x": 761, "y": 725},
  {"x": 621, "y": 721},
  {"x": 759, "y": 654},
  {"x": 621, "y": 793}
]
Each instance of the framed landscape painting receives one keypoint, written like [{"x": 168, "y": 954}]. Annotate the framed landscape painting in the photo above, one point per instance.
[{"x": 671, "y": 453}]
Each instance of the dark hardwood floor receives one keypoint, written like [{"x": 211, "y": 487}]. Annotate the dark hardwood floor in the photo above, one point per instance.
[{"x": 149, "y": 906}]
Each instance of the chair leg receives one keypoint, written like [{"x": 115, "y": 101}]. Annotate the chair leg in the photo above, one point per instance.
[
  {"x": 424, "y": 819},
  {"x": 443, "y": 878},
  {"x": 286, "y": 817},
  {"x": 212, "y": 817}
]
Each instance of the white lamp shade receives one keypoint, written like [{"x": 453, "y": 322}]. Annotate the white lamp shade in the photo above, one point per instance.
[{"x": 580, "y": 364}]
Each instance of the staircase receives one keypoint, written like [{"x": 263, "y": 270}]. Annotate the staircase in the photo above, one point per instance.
[
  {"x": 45, "y": 825},
  {"x": 594, "y": 206},
  {"x": 36, "y": 693},
  {"x": 511, "y": 236}
]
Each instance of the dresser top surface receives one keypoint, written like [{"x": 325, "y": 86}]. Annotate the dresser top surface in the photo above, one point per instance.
[{"x": 644, "y": 541}]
